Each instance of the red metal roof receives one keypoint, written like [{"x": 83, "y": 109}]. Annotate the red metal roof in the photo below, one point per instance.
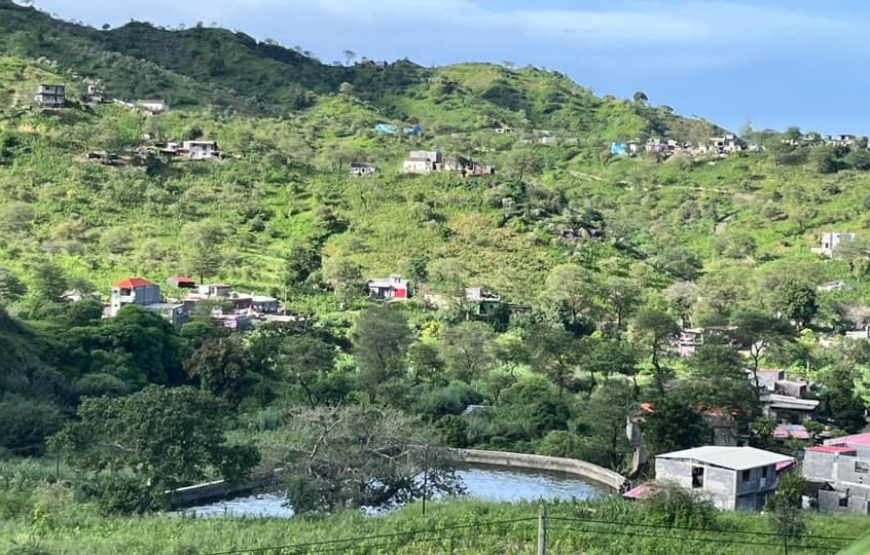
[
  {"x": 132, "y": 283},
  {"x": 182, "y": 279},
  {"x": 831, "y": 449},
  {"x": 857, "y": 439},
  {"x": 642, "y": 491}
]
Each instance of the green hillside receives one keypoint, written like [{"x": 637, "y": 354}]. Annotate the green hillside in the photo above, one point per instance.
[{"x": 600, "y": 259}]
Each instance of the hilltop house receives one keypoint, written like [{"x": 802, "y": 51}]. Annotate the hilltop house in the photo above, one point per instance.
[
  {"x": 422, "y": 162},
  {"x": 391, "y": 288},
  {"x": 735, "y": 478},
  {"x": 726, "y": 145},
  {"x": 840, "y": 469},
  {"x": 202, "y": 150},
  {"x": 94, "y": 95},
  {"x": 782, "y": 398},
  {"x": 485, "y": 302},
  {"x": 362, "y": 170},
  {"x": 51, "y": 96},
  {"x": 153, "y": 106},
  {"x": 465, "y": 167},
  {"x": 502, "y": 128},
  {"x": 182, "y": 282},
  {"x": 830, "y": 242},
  {"x": 140, "y": 291},
  {"x": 691, "y": 339}
]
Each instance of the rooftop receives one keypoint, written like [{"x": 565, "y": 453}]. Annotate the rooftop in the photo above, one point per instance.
[
  {"x": 132, "y": 283},
  {"x": 734, "y": 458},
  {"x": 831, "y": 449},
  {"x": 858, "y": 439}
]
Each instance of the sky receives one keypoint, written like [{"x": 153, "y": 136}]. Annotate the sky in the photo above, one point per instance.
[{"x": 768, "y": 62}]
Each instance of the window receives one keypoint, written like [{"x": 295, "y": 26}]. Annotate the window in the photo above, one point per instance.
[
  {"x": 862, "y": 467},
  {"x": 697, "y": 476},
  {"x": 843, "y": 501},
  {"x": 764, "y": 472},
  {"x": 747, "y": 475}
]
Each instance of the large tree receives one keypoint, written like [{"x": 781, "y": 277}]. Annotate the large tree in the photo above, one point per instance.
[
  {"x": 674, "y": 425},
  {"x": 652, "y": 331},
  {"x": 466, "y": 348},
  {"x": 381, "y": 339},
  {"x": 306, "y": 360},
  {"x": 355, "y": 456},
  {"x": 760, "y": 332},
  {"x": 151, "y": 441},
  {"x": 796, "y": 300},
  {"x": 555, "y": 353},
  {"x": 571, "y": 292},
  {"x": 221, "y": 368}
]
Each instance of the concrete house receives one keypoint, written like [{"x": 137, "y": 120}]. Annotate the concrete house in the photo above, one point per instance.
[
  {"x": 840, "y": 469},
  {"x": 202, "y": 150},
  {"x": 727, "y": 144},
  {"x": 501, "y": 128},
  {"x": 422, "y": 162},
  {"x": 182, "y": 282},
  {"x": 94, "y": 95},
  {"x": 485, "y": 302},
  {"x": 691, "y": 339},
  {"x": 153, "y": 106},
  {"x": 362, "y": 170},
  {"x": 135, "y": 290},
  {"x": 51, "y": 96},
  {"x": 831, "y": 240},
  {"x": 391, "y": 288},
  {"x": 735, "y": 478},
  {"x": 265, "y": 304},
  {"x": 465, "y": 167}
]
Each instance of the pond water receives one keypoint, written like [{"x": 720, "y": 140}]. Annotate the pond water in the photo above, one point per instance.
[{"x": 481, "y": 482}]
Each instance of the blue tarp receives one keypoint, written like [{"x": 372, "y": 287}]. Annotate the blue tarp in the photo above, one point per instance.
[
  {"x": 618, "y": 149},
  {"x": 388, "y": 129}
]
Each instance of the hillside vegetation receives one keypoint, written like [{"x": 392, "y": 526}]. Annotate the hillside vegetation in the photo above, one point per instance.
[{"x": 600, "y": 259}]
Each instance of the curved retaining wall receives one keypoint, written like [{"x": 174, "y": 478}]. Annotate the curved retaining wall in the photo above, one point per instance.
[{"x": 505, "y": 459}]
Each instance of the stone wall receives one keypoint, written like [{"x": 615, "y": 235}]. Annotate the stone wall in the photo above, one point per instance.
[{"x": 505, "y": 459}]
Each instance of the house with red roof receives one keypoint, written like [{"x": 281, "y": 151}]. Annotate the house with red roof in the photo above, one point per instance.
[
  {"x": 840, "y": 470},
  {"x": 134, "y": 290}
]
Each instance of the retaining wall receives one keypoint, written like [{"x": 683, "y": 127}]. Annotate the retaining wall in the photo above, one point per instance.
[{"x": 505, "y": 459}]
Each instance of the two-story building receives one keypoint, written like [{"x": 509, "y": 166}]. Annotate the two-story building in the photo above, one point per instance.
[
  {"x": 840, "y": 470},
  {"x": 830, "y": 242},
  {"x": 421, "y": 162},
  {"x": 393, "y": 287},
  {"x": 202, "y": 150},
  {"x": 141, "y": 292},
  {"x": 734, "y": 478},
  {"x": 51, "y": 96}
]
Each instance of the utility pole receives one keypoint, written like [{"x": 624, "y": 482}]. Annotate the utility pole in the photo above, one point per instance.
[
  {"x": 542, "y": 530},
  {"x": 425, "y": 479}
]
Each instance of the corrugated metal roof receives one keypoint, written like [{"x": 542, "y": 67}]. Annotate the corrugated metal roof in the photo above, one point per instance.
[
  {"x": 735, "y": 458},
  {"x": 831, "y": 449},
  {"x": 132, "y": 283}
]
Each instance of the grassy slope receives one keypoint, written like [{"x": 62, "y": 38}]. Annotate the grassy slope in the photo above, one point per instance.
[{"x": 59, "y": 530}]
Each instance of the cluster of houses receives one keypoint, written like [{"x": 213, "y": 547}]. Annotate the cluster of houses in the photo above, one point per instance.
[
  {"x": 737, "y": 477},
  {"x": 809, "y": 139},
  {"x": 53, "y": 96},
  {"x": 422, "y": 162},
  {"x": 837, "y": 473},
  {"x": 237, "y": 311},
  {"x": 720, "y": 146}
]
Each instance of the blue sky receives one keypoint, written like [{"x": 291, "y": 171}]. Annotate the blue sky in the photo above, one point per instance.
[{"x": 774, "y": 63}]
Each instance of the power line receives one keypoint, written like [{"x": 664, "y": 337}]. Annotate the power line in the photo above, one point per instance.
[
  {"x": 375, "y": 536},
  {"x": 694, "y": 529},
  {"x": 691, "y": 539}
]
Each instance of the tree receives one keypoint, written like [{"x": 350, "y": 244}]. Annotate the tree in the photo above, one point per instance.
[
  {"x": 345, "y": 276},
  {"x": 48, "y": 281},
  {"x": 466, "y": 349},
  {"x": 522, "y": 162},
  {"x": 845, "y": 408},
  {"x": 25, "y": 424},
  {"x": 570, "y": 289},
  {"x": 200, "y": 255},
  {"x": 16, "y": 217},
  {"x": 784, "y": 509},
  {"x": 302, "y": 261},
  {"x": 220, "y": 367},
  {"x": 554, "y": 353},
  {"x": 426, "y": 363},
  {"x": 760, "y": 332},
  {"x": 824, "y": 158},
  {"x": 718, "y": 382},
  {"x": 349, "y": 56},
  {"x": 653, "y": 331},
  {"x": 162, "y": 438},
  {"x": 305, "y": 359},
  {"x": 797, "y": 301},
  {"x": 351, "y": 457},
  {"x": 609, "y": 358},
  {"x": 640, "y": 97},
  {"x": 11, "y": 288},
  {"x": 380, "y": 341},
  {"x": 621, "y": 296},
  {"x": 674, "y": 425},
  {"x": 604, "y": 416}
]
